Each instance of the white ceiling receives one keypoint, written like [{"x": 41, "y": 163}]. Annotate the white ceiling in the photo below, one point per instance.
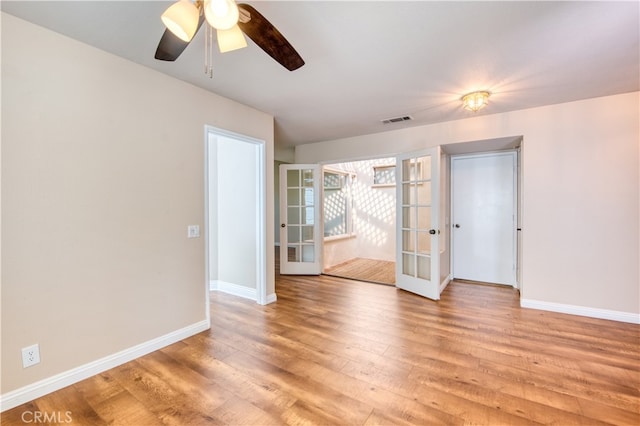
[{"x": 367, "y": 61}]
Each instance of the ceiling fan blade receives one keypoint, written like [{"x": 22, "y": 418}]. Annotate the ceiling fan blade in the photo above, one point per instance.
[
  {"x": 170, "y": 46},
  {"x": 265, "y": 35}
]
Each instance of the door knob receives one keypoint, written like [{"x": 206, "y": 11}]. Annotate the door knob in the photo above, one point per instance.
[
  {"x": 282, "y": 225},
  {"x": 457, "y": 225},
  {"x": 432, "y": 231}
]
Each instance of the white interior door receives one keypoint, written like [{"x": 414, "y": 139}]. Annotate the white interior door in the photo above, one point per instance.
[
  {"x": 417, "y": 248},
  {"x": 300, "y": 219},
  {"x": 484, "y": 217}
]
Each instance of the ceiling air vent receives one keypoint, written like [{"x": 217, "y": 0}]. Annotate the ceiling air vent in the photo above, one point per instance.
[{"x": 397, "y": 119}]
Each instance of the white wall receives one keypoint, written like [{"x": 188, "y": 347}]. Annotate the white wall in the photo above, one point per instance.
[
  {"x": 102, "y": 171},
  {"x": 581, "y": 192},
  {"x": 233, "y": 211}
]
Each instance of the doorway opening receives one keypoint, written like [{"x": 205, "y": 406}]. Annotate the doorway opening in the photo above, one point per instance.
[
  {"x": 486, "y": 186},
  {"x": 235, "y": 210},
  {"x": 359, "y": 224}
]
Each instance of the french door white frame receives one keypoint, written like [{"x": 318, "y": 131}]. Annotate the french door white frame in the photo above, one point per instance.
[
  {"x": 210, "y": 191},
  {"x": 300, "y": 266},
  {"x": 417, "y": 282}
]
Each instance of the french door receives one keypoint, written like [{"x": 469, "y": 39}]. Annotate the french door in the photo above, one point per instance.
[
  {"x": 300, "y": 219},
  {"x": 417, "y": 223}
]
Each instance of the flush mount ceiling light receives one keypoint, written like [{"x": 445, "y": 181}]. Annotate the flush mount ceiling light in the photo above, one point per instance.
[{"x": 475, "y": 100}]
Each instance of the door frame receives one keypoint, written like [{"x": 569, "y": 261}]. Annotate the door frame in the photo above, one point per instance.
[
  {"x": 517, "y": 201},
  {"x": 210, "y": 194}
]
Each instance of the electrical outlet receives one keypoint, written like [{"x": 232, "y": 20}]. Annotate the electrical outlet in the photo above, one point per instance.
[
  {"x": 193, "y": 231},
  {"x": 30, "y": 355}
]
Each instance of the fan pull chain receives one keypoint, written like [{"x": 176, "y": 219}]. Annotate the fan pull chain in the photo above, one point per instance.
[{"x": 208, "y": 50}]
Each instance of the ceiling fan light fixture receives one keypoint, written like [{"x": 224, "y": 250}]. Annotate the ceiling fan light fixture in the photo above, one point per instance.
[
  {"x": 231, "y": 39},
  {"x": 475, "y": 101},
  {"x": 181, "y": 18},
  {"x": 221, "y": 14}
]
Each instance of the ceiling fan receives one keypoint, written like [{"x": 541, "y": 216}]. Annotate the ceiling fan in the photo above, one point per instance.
[{"x": 229, "y": 20}]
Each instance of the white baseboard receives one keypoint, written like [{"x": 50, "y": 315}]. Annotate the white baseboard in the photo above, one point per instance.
[
  {"x": 36, "y": 390},
  {"x": 581, "y": 310},
  {"x": 233, "y": 289},
  {"x": 271, "y": 298},
  {"x": 445, "y": 282},
  {"x": 239, "y": 290}
]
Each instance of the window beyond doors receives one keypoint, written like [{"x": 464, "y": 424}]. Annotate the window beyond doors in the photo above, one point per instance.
[
  {"x": 338, "y": 204},
  {"x": 384, "y": 175}
]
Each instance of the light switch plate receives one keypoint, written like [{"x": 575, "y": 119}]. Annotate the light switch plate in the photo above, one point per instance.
[{"x": 193, "y": 231}]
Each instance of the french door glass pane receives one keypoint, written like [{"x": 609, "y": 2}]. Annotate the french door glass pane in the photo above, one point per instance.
[
  {"x": 308, "y": 196},
  {"x": 293, "y": 178},
  {"x": 307, "y": 216},
  {"x": 301, "y": 253},
  {"x": 408, "y": 241},
  {"x": 293, "y": 197},
  {"x": 408, "y": 265},
  {"x": 293, "y": 215},
  {"x": 307, "y": 178},
  {"x": 293, "y": 254},
  {"x": 293, "y": 234},
  {"x": 423, "y": 218},
  {"x": 423, "y": 242},
  {"x": 406, "y": 193},
  {"x": 415, "y": 169},
  {"x": 407, "y": 165},
  {"x": 423, "y": 194},
  {"x": 407, "y": 214},
  {"x": 308, "y": 254},
  {"x": 307, "y": 233},
  {"x": 424, "y": 267}
]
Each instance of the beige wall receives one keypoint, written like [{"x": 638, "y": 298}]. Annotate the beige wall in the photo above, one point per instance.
[
  {"x": 102, "y": 171},
  {"x": 580, "y": 195}
]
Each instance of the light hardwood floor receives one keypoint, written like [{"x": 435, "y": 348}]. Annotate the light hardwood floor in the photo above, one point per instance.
[
  {"x": 370, "y": 270},
  {"x": 360, "y": 354}
]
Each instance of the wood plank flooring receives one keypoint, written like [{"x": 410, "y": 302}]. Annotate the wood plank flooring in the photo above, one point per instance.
[
  {"x": 370, "y": 270},
  {"x": 327, "y": 353}
]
